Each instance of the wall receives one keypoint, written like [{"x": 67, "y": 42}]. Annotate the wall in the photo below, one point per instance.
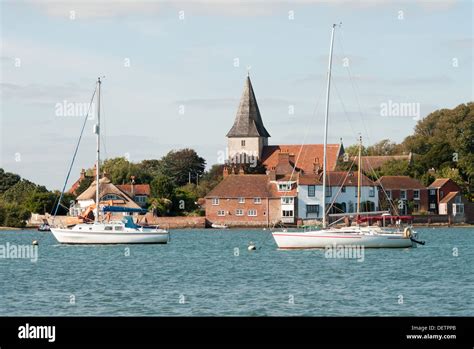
[
  {"x": 347, "y": 197},
  {"x": 253, "y": 146},
  {"x": 268, "y": 212}
]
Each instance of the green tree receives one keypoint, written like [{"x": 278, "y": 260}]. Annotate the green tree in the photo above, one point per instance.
[
  {"x": 178, "y": 164},
  {"x": 162, "y": 187},
  {"x": 7, "y": 180},
  {"x": 21, "y": 191}
]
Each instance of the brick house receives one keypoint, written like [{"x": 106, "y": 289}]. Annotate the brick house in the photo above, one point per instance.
[
  {"x": 439, "y": 189},
  {"x": 251, "y": 200},
  {"x": 407, "y": 194}
]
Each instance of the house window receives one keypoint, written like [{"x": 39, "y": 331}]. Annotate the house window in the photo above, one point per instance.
[
  {"x": 432, "y": 191},
  {"x": 343, "y": 189},
  {"x": 389, "y": 194},
  {"x": 284, "y": 186},
  {"x": 416, "y": 194},
  {"x": 257, "y": 200},
  {"x": 252, "y": 213},
  {"x": 432, "y": 206},
  {"x": 241, "y": 200},
  {"x": 239, "y": 212},
  {"x": 109, "y": 197},
  {"x": 215, "y": 201},
  {"x": 441, "y": 194},
  {"x": 311, "y": 190},
  {"x": 312, "y": 209},
  {"x": 372, "y": 192},
  {"x": 403, "y": 194},
  {"x": 287, "y": 200},
  {"x": 328, "y": 191},
  {"x": 221, "y": 213},
  {"x": 287, "y": 213},
  {"x": 343, "y": 207},
  {"x": 416, "y": 207},
  {"x": 242, "y": 143}
]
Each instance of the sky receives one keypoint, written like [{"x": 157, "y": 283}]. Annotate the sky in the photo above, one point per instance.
[{"x": 174, "y": 73}]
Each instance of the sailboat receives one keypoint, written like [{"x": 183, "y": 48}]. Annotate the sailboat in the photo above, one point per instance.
[
  {"x": 123, "y": 231},
  {"x": 367, "y": 236}
]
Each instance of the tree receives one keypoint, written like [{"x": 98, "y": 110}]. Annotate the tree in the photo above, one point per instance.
[
  {"x": 384, "y": 147},
  {"x": 162, "y": 187},
  {"x": 7, "y": 180},
  {"x": 21, "y": 191},
  {"x": 118, "y": 170},
  {"x": 179, "y": 164}
]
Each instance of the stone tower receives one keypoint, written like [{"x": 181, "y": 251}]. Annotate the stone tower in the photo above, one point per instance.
[{"x": 248, "y": 136}]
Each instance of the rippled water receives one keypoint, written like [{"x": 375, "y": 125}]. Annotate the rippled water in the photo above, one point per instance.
[{"x": 201, "y": 268}]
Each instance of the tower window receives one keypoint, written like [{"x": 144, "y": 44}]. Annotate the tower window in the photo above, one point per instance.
[{"x": 242, "y": 142}]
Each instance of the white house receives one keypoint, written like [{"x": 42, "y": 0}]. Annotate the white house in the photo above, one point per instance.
[{"x": 341, "y": 192}]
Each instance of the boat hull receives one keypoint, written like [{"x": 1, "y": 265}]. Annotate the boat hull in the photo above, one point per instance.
[
  {"x": 68, "y": 236},
  {"x": 308, "y": 240}
]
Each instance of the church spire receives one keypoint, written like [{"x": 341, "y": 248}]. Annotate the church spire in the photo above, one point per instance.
[{"x": 248, "y": 121}]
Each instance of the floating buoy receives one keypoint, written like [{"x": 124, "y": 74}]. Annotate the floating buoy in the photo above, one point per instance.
[
  {"x": 252, "y": 247},
  {"x": 35, "y": 242}
]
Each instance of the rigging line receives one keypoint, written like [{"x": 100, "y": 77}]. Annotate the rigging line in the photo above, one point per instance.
[
  {"x": 103, "y": 135},
  {"x": 313, "y": 116},
  {"x": 75, "y": 153},
  {"x": 354, "y": 86}
]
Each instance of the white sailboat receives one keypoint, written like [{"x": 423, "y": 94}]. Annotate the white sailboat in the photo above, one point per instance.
[
  {"x": 369, "y": 236},
  {"x": 109, "y": 232}
]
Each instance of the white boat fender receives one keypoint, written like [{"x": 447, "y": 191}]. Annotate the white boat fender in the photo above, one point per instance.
[
  {"x": 407, "y": 233},
  {"x": 252, "y": 247}
]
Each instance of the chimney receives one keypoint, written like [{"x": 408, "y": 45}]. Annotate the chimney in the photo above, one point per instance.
[
  {"x": 316, "y": 166},
  {"x": 83, "y": 174},
  {"x": 225, "y": 172},
  {"x": 292, "y": 158},
  {"x": 271, "y": 174},
  {"x": 94, "y": 172},
  {"x": 283, "y": 157}
]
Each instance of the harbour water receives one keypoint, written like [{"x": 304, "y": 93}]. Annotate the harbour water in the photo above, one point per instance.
[{"x": 211, "y": 272}]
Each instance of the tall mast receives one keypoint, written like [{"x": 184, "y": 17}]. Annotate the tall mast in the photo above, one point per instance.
[
  {"x": 97, "y": 162},
  {"x": 326, "y": 125},
  {"x": 359, "y": 176}
]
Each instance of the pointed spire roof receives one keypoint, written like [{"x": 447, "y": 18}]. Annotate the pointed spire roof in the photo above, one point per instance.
[{"x": 248, "y": 121}]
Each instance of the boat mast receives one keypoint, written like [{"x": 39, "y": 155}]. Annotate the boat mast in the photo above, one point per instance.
[
  {"x": 359, "y": 176},
  {"x": 326, "y": 125},
  {"x": 97, "y": 163}
]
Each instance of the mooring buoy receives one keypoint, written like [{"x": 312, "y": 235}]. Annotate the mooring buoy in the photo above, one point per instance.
[
  {"x": 252, "y": 247},
  {"x": 35, "y": 242}
]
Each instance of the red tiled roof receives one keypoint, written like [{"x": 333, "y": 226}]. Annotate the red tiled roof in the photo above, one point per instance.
[
  {"x": 138, "y": 189},
  {"x": 305, "y": 155},
  {"x": 438, "y": 183},
  {"x": 400, "y": 182},
  {"x": 449, "y": 197},
  {"x": 370, "y": 163},
  {"x": 336, "y": 178},
  {"x": 245, "y": 186}
]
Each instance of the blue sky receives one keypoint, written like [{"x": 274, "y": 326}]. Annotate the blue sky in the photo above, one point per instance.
[{"x": 190, "y": 62}]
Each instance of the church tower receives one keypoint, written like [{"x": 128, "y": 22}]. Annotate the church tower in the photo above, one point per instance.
[{"x": 248, "y": 135}]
